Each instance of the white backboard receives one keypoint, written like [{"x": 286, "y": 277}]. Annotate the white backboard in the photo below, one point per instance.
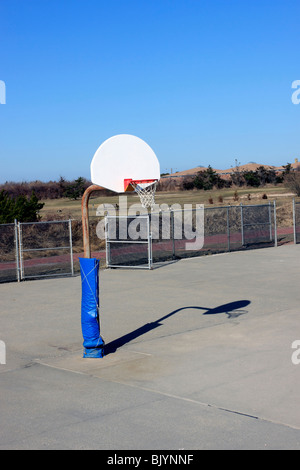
[{"x": 123, "y": 157}]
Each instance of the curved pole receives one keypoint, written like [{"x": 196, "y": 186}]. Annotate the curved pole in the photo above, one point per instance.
[{"x": 85, "y": 218}]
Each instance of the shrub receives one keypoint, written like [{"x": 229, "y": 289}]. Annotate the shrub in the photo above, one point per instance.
[
  {"x": 208, "y": 179},
  {"x": 252, "y": 178},
  {"x": 188, "y": 185},
  {"x": 76, "y": 189},
  {"x": 22, "y": 208}
]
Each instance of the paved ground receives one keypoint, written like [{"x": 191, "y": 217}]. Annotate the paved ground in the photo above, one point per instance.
[{"x": 199, "y": 357}]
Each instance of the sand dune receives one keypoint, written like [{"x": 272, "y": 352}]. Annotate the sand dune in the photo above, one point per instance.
[{"x": 247, "y": 167}]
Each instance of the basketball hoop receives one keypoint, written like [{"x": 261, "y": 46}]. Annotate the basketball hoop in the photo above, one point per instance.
[
  {"x": 146, "y": 191},
  {"x": 117, "y": 158}
]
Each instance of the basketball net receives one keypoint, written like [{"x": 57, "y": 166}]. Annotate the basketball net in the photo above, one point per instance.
[{"x": 146, "y": 193}]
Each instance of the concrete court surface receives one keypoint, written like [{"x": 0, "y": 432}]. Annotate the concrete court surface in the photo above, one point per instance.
[{"x": 199, "y": 356}]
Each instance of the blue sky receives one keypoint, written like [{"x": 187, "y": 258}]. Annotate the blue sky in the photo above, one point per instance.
[{"x": 201, "y": 81}]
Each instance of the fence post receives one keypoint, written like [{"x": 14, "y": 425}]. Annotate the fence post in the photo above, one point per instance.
[
  {"x": 71, "y": 247},
  {"x": 275, "y": 224},
  {"x": 270, "y": 221},
  {"x": 173, "y": 230},
  {"x": 106, "y": 241},
  {"x": 149, "y": 243},
  {"x": 17, "y": 250},
  {"x": 294, "y": 220},
  {"x": 242, "y": 225},
  {"x": 20, "y": 251},
  {"x": 228, "y": 229}
]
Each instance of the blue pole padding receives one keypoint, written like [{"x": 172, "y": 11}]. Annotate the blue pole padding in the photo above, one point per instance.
[{"x": 90, "y": 323}]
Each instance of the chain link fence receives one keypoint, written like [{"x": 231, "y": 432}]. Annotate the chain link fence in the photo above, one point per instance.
[
  {"x": 52, "y": 248},
  {"x": 128, "y": 241},
  {"x": 35, "y": 250},
  {"x": 8, "y": 252},
  {"x": 173, "y": 235},
  {"x": 45, "y": 249}
]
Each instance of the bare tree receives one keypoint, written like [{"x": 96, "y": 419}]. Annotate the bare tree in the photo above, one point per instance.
[{"x": 292, "y": 180}]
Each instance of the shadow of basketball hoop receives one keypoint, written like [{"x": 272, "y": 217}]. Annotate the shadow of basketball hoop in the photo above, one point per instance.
[{"x": 232, "y": 310}]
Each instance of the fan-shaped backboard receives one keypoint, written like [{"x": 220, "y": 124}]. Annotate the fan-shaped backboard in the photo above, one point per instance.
[{"x": 123, "y": 157}]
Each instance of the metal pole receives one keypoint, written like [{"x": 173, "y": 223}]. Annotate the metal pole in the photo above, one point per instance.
[
  {"x": 242, "y": 225},
  {"x": 275, "y": 224},
  {"x": 228, "y": 229},
  {"x": 294, "y": 221},
  {"x": 270, "y": 221},
  {"x": 107, "y": 244},
  {"x": 71, "y": 247},
  {"x": 20, "y": 251},
  {"x": 17, "y": 250},
  {"x": 149, "y": 244},
  {"x": 85, "y": 218},
  {"x": 173, "y": 234}
]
